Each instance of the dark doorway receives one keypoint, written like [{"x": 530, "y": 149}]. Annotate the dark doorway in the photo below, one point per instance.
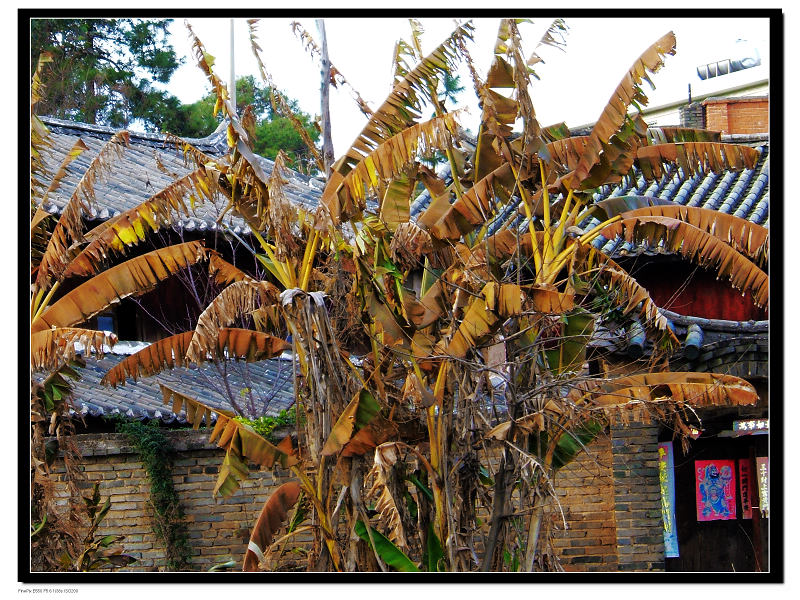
[{"x": 724, "y": 545}]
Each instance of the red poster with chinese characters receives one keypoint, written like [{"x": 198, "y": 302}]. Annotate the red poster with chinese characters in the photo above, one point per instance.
[
  {"x": 744, "y": 488},
  {"x": 715, "y": 490}
]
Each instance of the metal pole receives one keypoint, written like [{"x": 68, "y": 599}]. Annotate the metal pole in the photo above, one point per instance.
[{"x": 232, "y": 84}]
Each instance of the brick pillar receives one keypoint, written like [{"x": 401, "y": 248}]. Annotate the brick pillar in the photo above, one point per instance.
[
  {"x": 637, "y": 497},
  {"x": 745, "y": 115},
  {"x": 585, "y": 492},
  {"x": 693, "y": 116}
]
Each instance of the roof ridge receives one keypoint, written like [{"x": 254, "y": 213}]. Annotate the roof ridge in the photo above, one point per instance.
[
  {"x": 745, "y": 137},
  {"x": 725, "y": 325},
  {"x": 213, "y": 139}
]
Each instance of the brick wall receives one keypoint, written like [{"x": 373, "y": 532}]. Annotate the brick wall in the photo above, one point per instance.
[
  {"x": 218, "y": 529},
  {"x": 737, "y": 115},
  {"x": 610, "y": 498},
  {"x": 637, "y": 498},
  {"x": 585, "y": 490}
]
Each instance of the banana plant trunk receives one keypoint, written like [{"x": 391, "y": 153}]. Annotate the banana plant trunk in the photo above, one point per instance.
[
  {"x": 534, "y": 527},
  {"x": 499, "y": 509}
]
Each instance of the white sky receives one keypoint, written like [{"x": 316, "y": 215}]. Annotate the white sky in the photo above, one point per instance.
[{"x": 574, "y": 85}]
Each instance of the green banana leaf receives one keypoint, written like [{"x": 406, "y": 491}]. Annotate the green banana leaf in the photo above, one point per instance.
[
  {"x": 572, "y": 443},
  {"x": 570, "y": 353},
  {"x": 389, "y": 553},
  {"x": 433, "y": 551}
]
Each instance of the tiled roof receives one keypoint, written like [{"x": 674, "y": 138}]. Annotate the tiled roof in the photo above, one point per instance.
[
  {"x": 270, "y": 380},
  {"x": 742, "y": 356},
  {"x": 137, "y": 176},
  {"x": 702, "y": 342},
  {"x": 132, "y": 180},
  {"x": 744, "y": 194}
]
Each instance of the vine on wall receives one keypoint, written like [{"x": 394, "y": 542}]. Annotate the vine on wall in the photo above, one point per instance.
[{"x": 169, "y": 525}]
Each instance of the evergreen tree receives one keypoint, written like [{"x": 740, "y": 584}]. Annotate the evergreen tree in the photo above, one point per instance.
[
  {"x": 103, "y": 70},
  {"x": 273, "y": 132},
  {"x": 452, "y": 87}
]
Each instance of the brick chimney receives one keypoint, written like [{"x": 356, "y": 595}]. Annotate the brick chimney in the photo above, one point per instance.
[
  {"x": 693, "y": 116},
  {"x": 748, "y": 114}
]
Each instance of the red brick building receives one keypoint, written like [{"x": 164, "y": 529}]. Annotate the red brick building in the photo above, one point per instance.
[{"x": 746, "y": 115}]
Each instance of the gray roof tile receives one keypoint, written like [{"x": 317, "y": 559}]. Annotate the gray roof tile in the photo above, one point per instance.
[
  {"x": 137, "y": 176},
  {"x": 270, "y": 380},
  {"x": 745, "y": 193}
]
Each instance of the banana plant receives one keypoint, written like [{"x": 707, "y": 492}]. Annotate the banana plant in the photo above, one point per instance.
[
  {"x": 63, "y": 251},
  {"x": 405, "y": 454},
  {"x": 76, "y": 274},
  {"x": 534, "y": 286}
]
